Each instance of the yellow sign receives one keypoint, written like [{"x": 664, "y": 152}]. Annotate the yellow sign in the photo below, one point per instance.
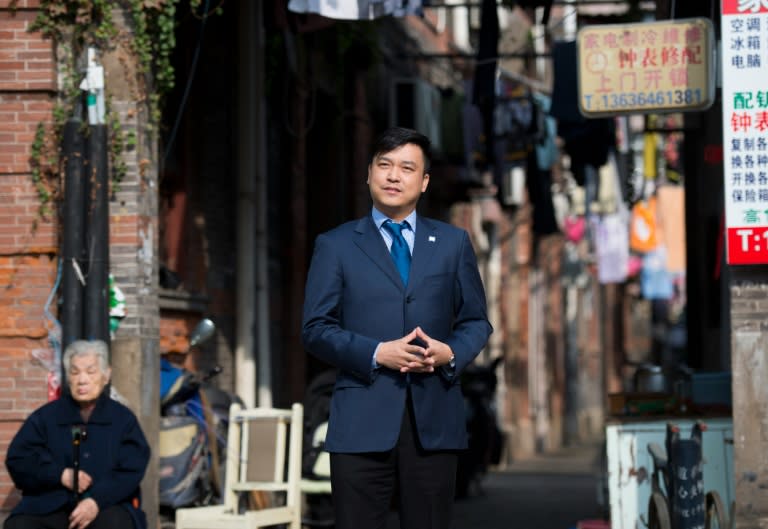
[{"x": 665, "y": 66}]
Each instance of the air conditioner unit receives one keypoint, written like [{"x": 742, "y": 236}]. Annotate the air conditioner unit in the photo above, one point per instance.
[{"x": 416, "y": 104}]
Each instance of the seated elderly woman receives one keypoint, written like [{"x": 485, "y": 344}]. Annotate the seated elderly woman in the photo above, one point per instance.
[{"x": 113, "y": 454}]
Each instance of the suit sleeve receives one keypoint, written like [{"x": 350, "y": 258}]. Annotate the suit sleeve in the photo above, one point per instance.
[
  {"x": 471, "y": 328},
  {"x": 322, "y": 333}
]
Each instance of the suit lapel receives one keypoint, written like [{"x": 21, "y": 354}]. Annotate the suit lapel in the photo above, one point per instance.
[
  {"x": 371, "y": 243},
  {"x": 423, "y": 248}
]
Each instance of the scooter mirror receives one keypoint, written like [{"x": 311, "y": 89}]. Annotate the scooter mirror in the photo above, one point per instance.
[{"x": 202, "y": 332}]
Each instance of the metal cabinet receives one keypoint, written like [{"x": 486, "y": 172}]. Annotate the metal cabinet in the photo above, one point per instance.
[{"x": 630, "y": 464}]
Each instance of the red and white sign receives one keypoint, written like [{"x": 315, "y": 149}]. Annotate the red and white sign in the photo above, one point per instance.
[
  {"x": 744, "y": 7},
  {"x": 745, "y": 129}
]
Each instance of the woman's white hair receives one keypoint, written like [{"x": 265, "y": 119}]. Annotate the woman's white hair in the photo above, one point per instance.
[{"x": 84, "y": 348}]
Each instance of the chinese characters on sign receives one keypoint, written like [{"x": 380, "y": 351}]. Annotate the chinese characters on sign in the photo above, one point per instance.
[
  {"x": 647, "y": 67},
  {"x": 745, "y": 129},
  {"x": 688, "y": 507}
]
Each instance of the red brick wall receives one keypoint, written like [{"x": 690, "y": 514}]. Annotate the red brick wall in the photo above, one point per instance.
[
  {"x": 26, "y": 281},
  {"x": 26, "y": 60},
  {"x": 27, "y": 256}
]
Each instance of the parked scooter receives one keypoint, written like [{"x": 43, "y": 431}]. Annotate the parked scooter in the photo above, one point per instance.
[
  {"x": 478, "y": 384},
  {"x": 193, "y": 431}
]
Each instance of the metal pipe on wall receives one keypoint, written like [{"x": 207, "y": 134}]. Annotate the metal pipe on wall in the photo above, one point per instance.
[
  {"x": 73, "y": 233},
  {"x": 252, "y": 360},
  {"x": 97, "y": 237},
  {"x": 265, "y": 394}
]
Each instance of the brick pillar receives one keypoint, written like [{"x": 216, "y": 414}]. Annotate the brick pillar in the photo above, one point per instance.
[
  {"x": 133, "y": 218},
  {"x": 749, "y": 364},
  {"x": 134, "y": 264}
]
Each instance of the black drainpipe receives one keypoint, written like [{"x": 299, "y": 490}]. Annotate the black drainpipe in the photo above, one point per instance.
[
  {"x": 97, "y": 237},
  {"x": 73, "y": 233}
]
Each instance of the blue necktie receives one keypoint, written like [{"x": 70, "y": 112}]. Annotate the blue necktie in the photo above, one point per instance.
[{"x": 399, "y": 250}]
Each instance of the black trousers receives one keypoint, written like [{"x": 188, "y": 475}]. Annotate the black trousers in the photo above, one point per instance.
[
  {"x": 114, "y": 517},
  {"x": 424, "y": 482}
]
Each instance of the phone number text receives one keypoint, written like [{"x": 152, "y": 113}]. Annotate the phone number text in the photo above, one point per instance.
[{"x": 632, "y": 100}]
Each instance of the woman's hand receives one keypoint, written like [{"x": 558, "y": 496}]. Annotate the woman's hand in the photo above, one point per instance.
[
  {"x": 83, "y": 479},
  {"x": 85, "y": 512}
]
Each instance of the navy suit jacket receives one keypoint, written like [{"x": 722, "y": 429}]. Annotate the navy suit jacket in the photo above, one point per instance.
[{"x": 355, "y": 299}]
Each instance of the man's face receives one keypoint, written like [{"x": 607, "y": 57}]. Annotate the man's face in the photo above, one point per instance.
[
  {"x": 397, "y": 179},
  {"x": 86, "y": 380}
]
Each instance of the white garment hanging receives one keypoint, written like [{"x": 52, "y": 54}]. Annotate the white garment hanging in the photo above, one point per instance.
[{"x": 356, "y": 9}]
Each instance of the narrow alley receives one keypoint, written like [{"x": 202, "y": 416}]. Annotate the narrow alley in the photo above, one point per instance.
[
  {"x": 558, "y": 490},
  {"x": 589, "y": 178}
]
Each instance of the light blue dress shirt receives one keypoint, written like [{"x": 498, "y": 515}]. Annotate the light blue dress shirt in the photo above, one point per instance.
[{"x": 409, "y": 234}]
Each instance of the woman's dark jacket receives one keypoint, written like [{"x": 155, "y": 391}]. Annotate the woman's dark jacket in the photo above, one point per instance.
[{"x": 114, "y": 453}]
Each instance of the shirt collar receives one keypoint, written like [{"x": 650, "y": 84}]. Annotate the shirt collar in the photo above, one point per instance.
[{"x": 379, "y": 218}]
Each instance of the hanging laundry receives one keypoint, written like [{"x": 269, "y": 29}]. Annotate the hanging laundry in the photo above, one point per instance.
[
  {"x": 650, "y": 150},
  {"x": 484, "y": 88},
  {"x": 643, "y": 228},
  {"x": 472, "y": 131},
  {"x": 611, "y": 248},
  {"x": 587, "y": 141},
  {"x": 539, "y": 184},
  {"x": 512, "y": 119},
  {"x": 655, "y": 280},
  {"x": 546, "y": 146},
  {"x": 452, "y": 126},
  {"x": 357, "y": 9},
  {"x": 574, "y": 227},
  {"x": 635, "y": 265}
]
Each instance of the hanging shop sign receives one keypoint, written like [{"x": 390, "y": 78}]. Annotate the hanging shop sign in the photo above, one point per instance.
[
  {"x": 745, "y": 129},
  {"x": 665, "y": 66}
]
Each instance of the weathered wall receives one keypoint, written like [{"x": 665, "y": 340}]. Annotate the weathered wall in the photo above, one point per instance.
[
  {"x": 27, "y": 260},
  {"x": 749, "y": 353},
  {"x": 28, "y": 257},
  {"x": 133, "y": 219}
]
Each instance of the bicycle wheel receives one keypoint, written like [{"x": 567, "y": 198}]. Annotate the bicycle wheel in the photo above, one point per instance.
[
  {"x": 715, "y": 517},
  {"x": 658, "y": 512}
]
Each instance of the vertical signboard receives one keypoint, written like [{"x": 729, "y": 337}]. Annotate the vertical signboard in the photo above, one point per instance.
[{"x": 745, "y": 129}]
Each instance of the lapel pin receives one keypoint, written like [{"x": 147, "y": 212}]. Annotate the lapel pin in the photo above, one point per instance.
[{"x": 432, "y": 238}]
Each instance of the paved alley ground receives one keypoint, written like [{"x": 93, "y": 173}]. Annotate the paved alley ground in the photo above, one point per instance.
[{"x": 552, "y": 491}]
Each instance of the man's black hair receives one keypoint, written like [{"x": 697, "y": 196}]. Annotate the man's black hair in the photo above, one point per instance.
[{"x": 395, "y": 137}]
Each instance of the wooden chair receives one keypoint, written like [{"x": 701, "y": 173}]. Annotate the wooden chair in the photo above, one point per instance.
[{"x": 263, "y": 456}]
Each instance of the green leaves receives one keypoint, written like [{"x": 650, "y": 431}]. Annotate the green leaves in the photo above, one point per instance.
[{"x": 76, "y": 25}]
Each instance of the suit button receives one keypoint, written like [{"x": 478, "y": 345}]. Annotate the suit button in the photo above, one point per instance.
[{"x": 409, "y": 299}]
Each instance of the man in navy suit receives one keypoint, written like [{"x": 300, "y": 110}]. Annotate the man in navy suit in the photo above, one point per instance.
[{"x": 400, "y": 311}]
